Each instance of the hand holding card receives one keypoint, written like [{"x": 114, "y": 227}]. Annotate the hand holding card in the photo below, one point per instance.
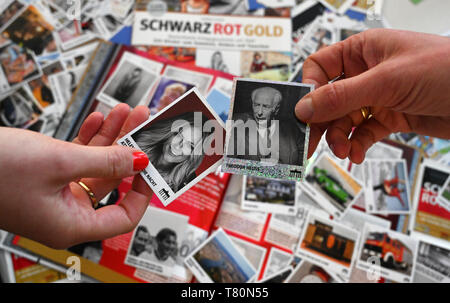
[{"x": 184, "y": 143}]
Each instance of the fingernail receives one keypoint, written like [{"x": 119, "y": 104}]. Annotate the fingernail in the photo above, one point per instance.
[
  {"x": 304, "y": 109},
  {"x": 140, "y": 161}
]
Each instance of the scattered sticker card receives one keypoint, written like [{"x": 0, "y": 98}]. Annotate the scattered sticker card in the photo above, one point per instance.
[{"x": 218, "y": 260}]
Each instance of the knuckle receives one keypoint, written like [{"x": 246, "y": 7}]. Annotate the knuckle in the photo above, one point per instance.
[
  {"x": 335, "y": 94},
  {"x": 116, "y": 162}
]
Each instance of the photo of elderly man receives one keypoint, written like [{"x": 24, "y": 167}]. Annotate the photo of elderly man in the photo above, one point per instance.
[{"x": 264, "y": 125}]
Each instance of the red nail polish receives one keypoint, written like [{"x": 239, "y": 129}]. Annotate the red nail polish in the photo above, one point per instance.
[{"x": 140, "y": 161}]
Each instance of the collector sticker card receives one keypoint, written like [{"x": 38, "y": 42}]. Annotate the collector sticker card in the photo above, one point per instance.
[
  {"x": 329, "y": 244},
  {"x": 17, "y": 65},
  {"x": 156, "y": 241},
  {"x": 387, "y": 187},
  {"x": 269, "y": 195},
  {"x": 131, "y": 82},
  {"x": 264, "y": 137},
  {"x": 184, "y": 143},
  {"x": 218, "y": 260},
  {"x": 331, "y": 186},
  {"x": 432, "y": 264},
  {"x": 431, "y": 217},
  {"x": 390, "y": 253}
]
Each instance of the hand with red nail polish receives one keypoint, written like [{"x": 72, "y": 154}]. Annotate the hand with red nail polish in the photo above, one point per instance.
[
  {"x": 403, "y": 77},
  {"x": 39, "y": 195}
]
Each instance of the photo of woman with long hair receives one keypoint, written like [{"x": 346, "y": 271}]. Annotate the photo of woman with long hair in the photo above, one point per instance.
[
  {"x": 174, "y": 146},
  {"x": 218, "y": 63}
]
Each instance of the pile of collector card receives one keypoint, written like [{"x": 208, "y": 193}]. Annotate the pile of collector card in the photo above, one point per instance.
[
  {"x": 45, "y": 47},
  {"x": 241, "y": 218}
]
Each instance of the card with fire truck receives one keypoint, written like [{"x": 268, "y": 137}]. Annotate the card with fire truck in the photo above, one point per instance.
[{"x": 388, "y": 254}]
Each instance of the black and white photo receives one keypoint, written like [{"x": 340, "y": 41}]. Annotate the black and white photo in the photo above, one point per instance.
[
  {"x": 224, "y": 61},
  {"x": 264, "y": 137},
  {"x": 155, "y": 245},
  {"x": 131, "y": 82},
  {"x": 19, "y": 109},
  {"x": 64, "y": 85},
  {"x": 432, "y": 265},
  {"x": 184, "y": 143}
]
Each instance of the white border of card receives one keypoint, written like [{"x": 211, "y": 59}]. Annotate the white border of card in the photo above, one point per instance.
[
  {"x": 268, "y": 207},
  {"x": 377, "y": 265},
  {"x": 151, "y": 175},
  {"x": 260, "y": 168},
  {"x": 198, "y": 271},
  {"x": 150, "y": 66},
  {"x": 369, "y": 192},
  {"x": 168, "y": 217},
  {"x": 323, "y": 200},
  {"x": 326, "y": 262},
  {"x": 443, "y": 201}
]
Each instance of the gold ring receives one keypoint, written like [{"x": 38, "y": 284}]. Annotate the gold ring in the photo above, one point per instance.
[
  {"x": 365, "y": 111},
  {"x": 90, "y": 194}
]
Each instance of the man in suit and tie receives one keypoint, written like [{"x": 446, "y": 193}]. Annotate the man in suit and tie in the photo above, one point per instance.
[{"x": 262, "y": 136}]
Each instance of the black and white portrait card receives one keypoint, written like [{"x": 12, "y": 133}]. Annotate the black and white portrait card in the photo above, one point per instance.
[
  {"x": 155, "y": 245},
  {"x": 184, "y": 143},
  {"x": 131, "y": 81},
  {"x": 264, "y": 137}
]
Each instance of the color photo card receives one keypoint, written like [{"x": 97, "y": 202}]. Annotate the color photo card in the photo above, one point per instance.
[
  {"x": 201, "y": 80},
  {"x": 390, "y": 254},
  {"x": 155, "y": 242},
  {"x": 264, "y": 137},
  {"x": 329, "y": 244},
  {"x": 131, "y": 82},
  {"x": 218, "y": 260},
  {"x": 331, "y": 186},
  {"x": 17, "y": 65},
  {"x": 387, "y": 187},
  {"x": 184, "y": 143},
  {"x": 430, "y": 216},
  {"x": 269, "y": 195}
]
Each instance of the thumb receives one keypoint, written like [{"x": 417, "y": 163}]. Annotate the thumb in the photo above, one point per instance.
[
  {"x": 112, "y": 162},
  {"x": 335, "y": 100}
]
